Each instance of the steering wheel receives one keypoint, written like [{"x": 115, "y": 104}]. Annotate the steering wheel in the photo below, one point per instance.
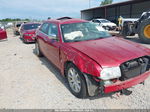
[{"x": 78, "y": 37}]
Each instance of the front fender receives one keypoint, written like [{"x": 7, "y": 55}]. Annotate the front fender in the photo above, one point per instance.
[{"x": 84, "y": 63}]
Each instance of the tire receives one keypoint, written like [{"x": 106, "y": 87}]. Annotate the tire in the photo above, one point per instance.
[
  {"x": 123, "y": 30},
  {"x": 24, "y": 41},
  {"x": 141, "y": 34},
  {"x": 81, "y": 92},
  {"x": 127, "y": 29},
  {"x": 37, "y": 49},
  {"x": 16, "y": 33}
]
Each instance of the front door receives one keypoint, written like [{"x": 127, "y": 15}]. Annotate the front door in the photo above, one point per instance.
[{"x": 53, "y": 45}]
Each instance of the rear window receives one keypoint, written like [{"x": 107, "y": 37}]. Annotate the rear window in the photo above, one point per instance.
[{"x": 31, "y": 26}]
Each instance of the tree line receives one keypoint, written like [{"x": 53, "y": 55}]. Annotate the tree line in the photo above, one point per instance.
[
  {"x": 11, "y": 20},
  {"x": 105, "y": 2}
]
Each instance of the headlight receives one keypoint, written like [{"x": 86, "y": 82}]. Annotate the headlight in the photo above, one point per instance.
[{"x": 110, "y": 73}]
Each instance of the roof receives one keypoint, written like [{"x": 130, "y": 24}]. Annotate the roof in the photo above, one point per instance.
[
  {"x": 66, "y": 21},
  {"x": 100, "y": 19},
  {"x": 31, "y": 23},
  {"x": 62, "y": 18},
  {"x": 114, "y": 4}
]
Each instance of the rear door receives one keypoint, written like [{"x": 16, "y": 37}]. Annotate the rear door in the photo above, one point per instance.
[
  {"x": 3, "y": 34},
  {"x": 42, "y": 38}
]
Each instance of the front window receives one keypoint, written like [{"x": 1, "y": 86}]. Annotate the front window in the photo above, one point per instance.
[
  {"x": 82, "y": 32},
  {"x": 104, "y": 21},
  {"x": 31, "y": 26}
]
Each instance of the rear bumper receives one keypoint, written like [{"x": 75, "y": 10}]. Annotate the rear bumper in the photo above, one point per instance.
[
  {"x": 126, "y": 84},
  {"x": 3, "y": 38}
]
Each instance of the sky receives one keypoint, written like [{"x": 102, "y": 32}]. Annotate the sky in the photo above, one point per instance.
[{"x": 42, "y": 9}]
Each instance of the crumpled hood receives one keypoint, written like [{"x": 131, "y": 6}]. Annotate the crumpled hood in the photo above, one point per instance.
[{"x": 110, "y": 52}]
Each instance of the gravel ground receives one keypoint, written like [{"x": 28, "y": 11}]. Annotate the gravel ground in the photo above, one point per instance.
[{"x": 27, "y": 82}]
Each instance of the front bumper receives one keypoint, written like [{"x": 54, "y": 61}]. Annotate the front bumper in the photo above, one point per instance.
[
  {"x": 30, "y": 40},
  {"x": 120, "y": 85},
  {"x": 110, "y": 27}
]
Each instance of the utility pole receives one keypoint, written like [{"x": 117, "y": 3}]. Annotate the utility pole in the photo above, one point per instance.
[{"x": 89, "y": 3}]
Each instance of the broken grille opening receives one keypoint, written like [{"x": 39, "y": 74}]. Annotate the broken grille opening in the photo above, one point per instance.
[{"x": 134, "y": 67}]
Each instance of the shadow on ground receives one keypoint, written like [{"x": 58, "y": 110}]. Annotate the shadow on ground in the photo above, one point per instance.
[
  {"x": 3, "y": 40},
  {"x": 26, "y": 42},
  {"x": 53, "y": 69}
]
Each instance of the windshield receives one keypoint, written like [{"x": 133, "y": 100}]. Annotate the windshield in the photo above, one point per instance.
[
  {"x": 31, "y": 26},
  {"x": 104, "y": 21},
  {"x": 82, "y": 32}
]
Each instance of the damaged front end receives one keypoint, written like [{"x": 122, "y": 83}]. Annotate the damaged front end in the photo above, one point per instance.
[
  {"x": 134, "y": 68},
  {"x": 133, "y": 72}
]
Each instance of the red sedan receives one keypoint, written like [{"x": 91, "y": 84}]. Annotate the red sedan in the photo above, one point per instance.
[
  {"x": 92, "y": 61},
  {"x": 3, "y": 34},
  {"x": 27, "y": 32}
]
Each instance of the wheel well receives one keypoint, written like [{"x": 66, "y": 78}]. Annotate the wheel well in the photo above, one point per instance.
[
  {"x": 35, "y": 40},
  {"x": 91, "y": 84},
  {"x": 65, "y": 66}
]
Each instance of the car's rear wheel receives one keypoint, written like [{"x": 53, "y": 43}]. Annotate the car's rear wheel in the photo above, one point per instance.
[
  {"x": 76, "y": 81},
  {"x": 37, "y": 50}
]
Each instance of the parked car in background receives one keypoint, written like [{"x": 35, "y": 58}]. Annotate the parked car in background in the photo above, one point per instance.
[
  {"x": 17, "y": 28},
  {"x": 3, "y": 34},
  {"x": 92, "y": 61},
  {"x": 9, "y": 25},
  {"x": 106, "y": 24},
  {"x": 100, "y": 28},
  {"x": 2, "y": 26},
  {"x": 27, "y": 32}
]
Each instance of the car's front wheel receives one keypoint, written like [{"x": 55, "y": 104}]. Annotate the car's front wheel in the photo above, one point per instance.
[{"x": 76, "y": 81}]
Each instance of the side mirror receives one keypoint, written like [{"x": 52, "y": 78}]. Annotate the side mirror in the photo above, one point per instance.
[{"x": 54, "y": 37}]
